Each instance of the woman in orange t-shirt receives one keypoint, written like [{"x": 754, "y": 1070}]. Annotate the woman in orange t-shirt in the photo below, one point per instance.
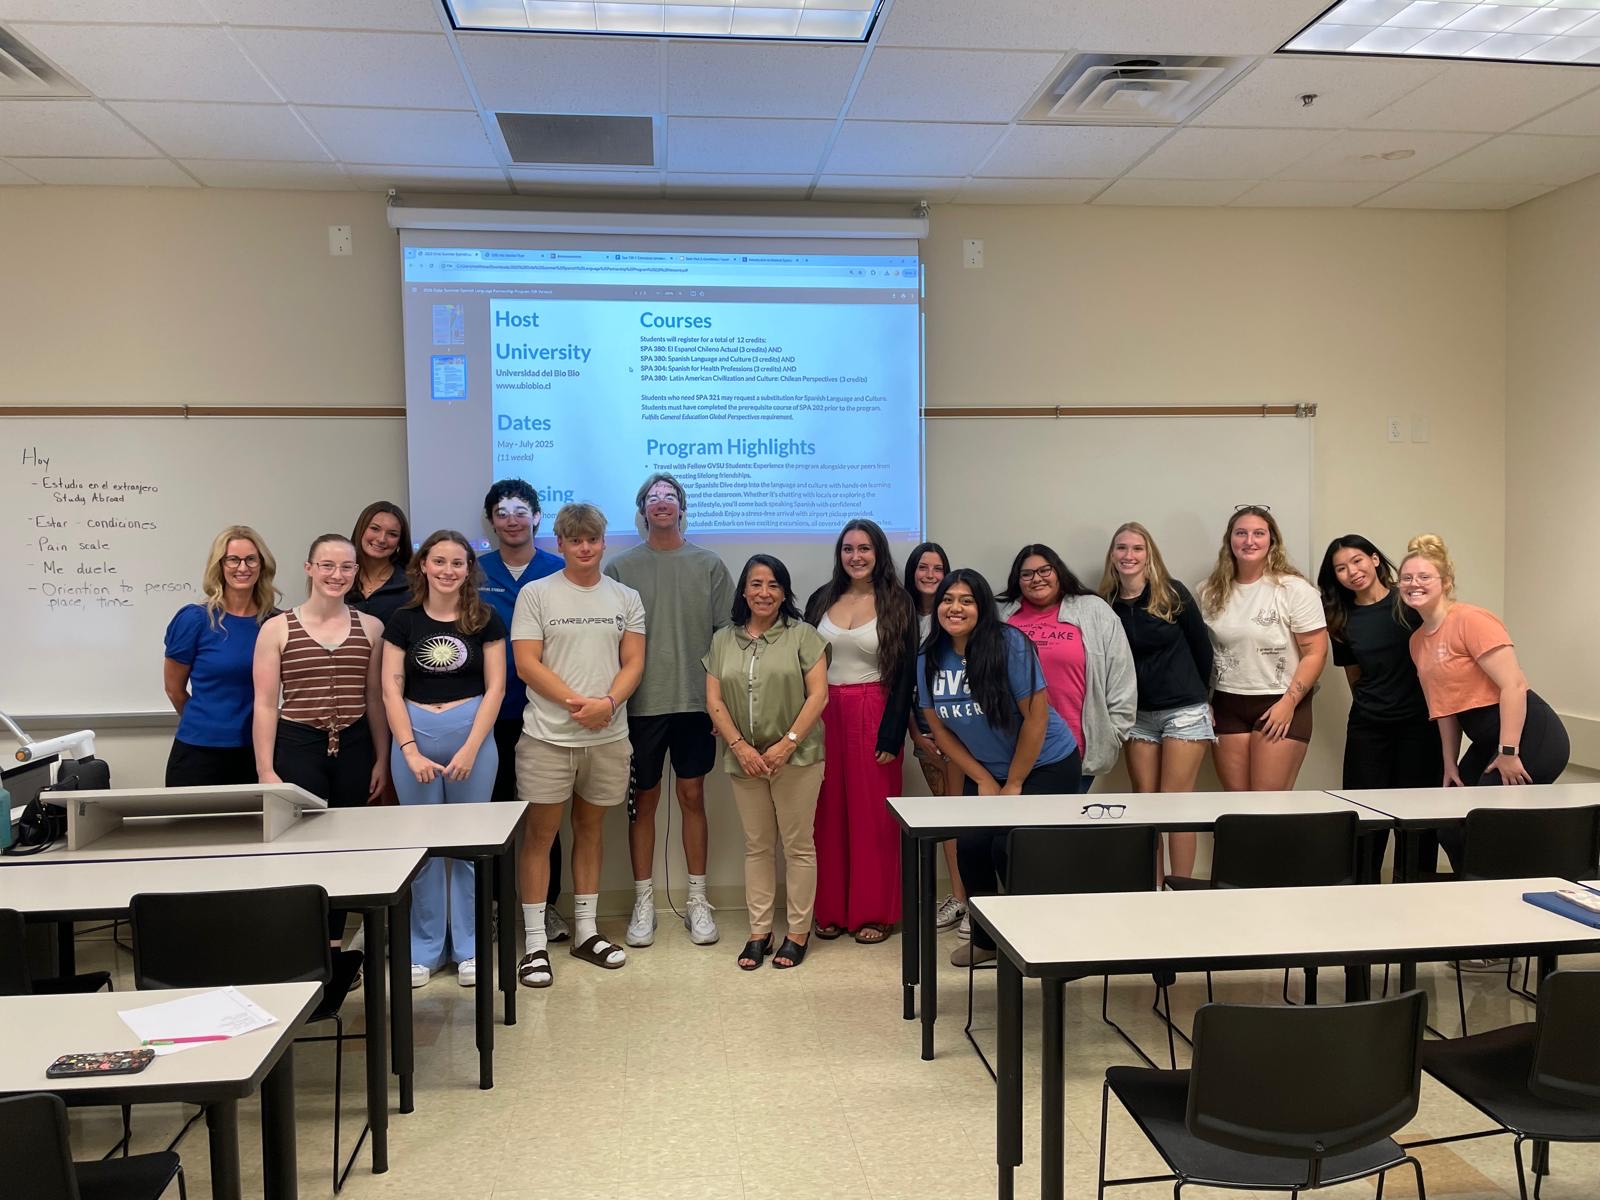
[{"x": 1473, "y": 682}]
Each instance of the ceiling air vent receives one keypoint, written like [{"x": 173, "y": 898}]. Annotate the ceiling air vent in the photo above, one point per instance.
[
  {"x": 24, "y": 72},
  {"x": 1132, "y": 89},
  {"x": 559, "y": 139}
]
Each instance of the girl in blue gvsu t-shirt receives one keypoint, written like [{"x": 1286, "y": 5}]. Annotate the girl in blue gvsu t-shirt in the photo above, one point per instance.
[
  {"x": 982, "y": 690},
  {"x": 210, "y": 649}
]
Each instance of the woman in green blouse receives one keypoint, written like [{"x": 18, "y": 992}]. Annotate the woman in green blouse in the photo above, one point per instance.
[{"x": 766, "y": 686}]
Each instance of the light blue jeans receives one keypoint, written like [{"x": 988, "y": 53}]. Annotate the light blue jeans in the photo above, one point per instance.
[{"x": 442, "y": 895}]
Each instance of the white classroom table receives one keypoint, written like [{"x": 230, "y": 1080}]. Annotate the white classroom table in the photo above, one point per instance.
[
  {"x": 485, "y": 834},
  {"x": 928, "y": 820},
  {"x": 1056, "y": 938},
  {"x": 376, "y": 883},
  {"x": 36, "y": 1030}
]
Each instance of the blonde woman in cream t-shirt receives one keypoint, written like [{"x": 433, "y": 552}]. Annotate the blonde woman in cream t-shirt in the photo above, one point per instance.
[{"x": 1270, "y": 640}]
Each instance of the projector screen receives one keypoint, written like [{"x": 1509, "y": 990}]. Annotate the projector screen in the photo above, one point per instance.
[{"x": 780, "y": 382}]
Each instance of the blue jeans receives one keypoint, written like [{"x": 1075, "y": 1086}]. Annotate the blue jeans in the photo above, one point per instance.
[{"x": 442, "y": 894}]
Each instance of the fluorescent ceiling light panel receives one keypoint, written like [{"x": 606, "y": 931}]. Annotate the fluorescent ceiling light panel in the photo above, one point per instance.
[
  {"x": 1530, "y": 31},
  {"x": 796, "y": 20}
]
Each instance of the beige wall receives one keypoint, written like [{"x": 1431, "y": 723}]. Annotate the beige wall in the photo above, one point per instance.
[
  {"x": 1553, "y": 453},
  {"x": 230, "y": 296}
]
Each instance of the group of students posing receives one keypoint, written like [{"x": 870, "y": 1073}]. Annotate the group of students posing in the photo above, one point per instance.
[{"x": 538, "y": 676}]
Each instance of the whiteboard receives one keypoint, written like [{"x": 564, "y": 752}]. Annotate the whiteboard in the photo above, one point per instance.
[
  {"x": 114, "y": 518},
  {"x": 995, "y": 484}
]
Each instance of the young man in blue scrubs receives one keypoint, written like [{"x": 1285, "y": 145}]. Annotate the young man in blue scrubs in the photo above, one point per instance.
[{"x": 512, "y": 509}]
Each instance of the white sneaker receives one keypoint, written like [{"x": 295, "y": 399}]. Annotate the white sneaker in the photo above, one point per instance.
[
  {"x": 555, "y": 925},
  {"x": 467, "y": 972},
  {"x": 964, "y": 930},
  {"x": 642, "y": 925},
  {"x": 697, "y": 919},
  {"x": 420, "y": 975},
  {"x": 949, "y": 913}
]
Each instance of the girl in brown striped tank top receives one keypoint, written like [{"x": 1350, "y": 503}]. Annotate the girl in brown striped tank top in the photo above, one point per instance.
[{"x": 316, "y": 681}]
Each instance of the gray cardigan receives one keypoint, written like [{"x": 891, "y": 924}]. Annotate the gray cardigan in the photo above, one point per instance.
[{"x": 1111, "y": 689}]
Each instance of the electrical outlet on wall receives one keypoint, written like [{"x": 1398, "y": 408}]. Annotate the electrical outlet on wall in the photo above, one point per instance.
[
  {"x": 1397, "y": 429},
  {"x": 340, "y": 244},
  {"x": 972, "y": 253}
]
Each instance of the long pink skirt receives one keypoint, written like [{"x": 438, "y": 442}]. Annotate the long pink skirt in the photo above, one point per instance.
[{"x": 858, "y": 841}]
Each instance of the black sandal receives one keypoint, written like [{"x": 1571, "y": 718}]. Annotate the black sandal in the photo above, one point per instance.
[
  {"x": 794, "y": 951},
  {"x": 828, "y": 932},
  {"x": 756, "y": 949}
]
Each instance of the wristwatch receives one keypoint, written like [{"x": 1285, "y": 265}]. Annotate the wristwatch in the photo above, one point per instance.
[
  {"x": 1508, "y": 751},
  {"x": 793, "y": 737}
]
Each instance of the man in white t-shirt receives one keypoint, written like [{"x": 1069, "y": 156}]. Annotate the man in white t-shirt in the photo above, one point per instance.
[{"x": 578, "y": 641}]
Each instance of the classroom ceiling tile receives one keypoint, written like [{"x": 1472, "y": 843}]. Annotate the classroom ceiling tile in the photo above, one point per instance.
[
  {"x": 642, "y": 184},
  {"x": 1362, "y": 154},
  {"x": 1579, "y": 117},
  {"x": 1192, "y": 26},
  {"x": 106, "y": 172},
  {"x": 693, "y": 183},
  {"x": 1523, "y": 158},
  {"x": 1295, "y": 193},
  {"x": 1484, "y": 97},
  {"x": 287, "y": 176},
  {"x": 79, "y": 128},
  {"x": 151, "y": 62},
  {"x": 401, "y": 136},
  {"x": 969, "y": 25},
  {"x": 143, "y": 12},
  {"x": 397, "y": 70},
  {"x": 757, "y": 79},
  {"x": 933, "y": 189},
  {"x": 766, "y": 147},
  {"x": 1030, "y": 191},
  {"x": 440, "y": 179},
  {"x": 419, "y": 15},
  {"x": 1346, "y": 90},
  {"x": 1422, "y": 194},
  {"x": 563, "y": 74},
  {"x": 1229, "y": 153},
  {"x": 949, "y": 85},
  {"x": 12, "y": 177},
  {"x": 1184, "y": 192},
  {"x": 256, "y": 131},
  {"x": 911, "y": 148},
  {"x": 1069, "y": 151}
]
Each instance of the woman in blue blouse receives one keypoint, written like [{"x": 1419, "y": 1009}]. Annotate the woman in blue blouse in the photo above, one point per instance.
[{"x": 210, "y": 647}]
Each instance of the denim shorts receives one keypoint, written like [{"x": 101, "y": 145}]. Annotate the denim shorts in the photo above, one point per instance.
[{"x": 1191, "y": 723}]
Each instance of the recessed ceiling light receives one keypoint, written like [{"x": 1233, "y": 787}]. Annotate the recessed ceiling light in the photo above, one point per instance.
[
  {"x": 1530, "y": 31},
  {"x": 794, "y": 20}
]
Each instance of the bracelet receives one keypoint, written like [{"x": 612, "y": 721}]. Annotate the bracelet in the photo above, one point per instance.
[
  {"x": 612, "y": 702},
  {"x": 412, "y": 742},
  {"x": 735, "y": 742}
]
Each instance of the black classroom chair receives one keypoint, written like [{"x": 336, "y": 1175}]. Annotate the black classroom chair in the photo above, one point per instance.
[
  {"x": 1079, "y": 860},
  {"x": 36, "y": 1159},
  {"x": 256, "y": 935},
  {"x": 1281, "y": 1098},
  {"x": 1540, "y": 1080},
  {"x": 15, "y": 978}
]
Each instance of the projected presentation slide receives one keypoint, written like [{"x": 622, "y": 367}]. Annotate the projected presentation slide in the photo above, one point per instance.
[{"x": 783, "y": 390}]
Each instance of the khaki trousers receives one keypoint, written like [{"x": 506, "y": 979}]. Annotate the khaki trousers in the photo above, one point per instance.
[{"x": 781, "y": 806}]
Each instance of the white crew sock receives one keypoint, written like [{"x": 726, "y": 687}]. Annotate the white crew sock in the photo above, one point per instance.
[
  {"x": 643, "y": 888},
  {"x": 533, "y": 936},
  {"x": 583, "y": 915},
  {"x": 697, "y": 887}
]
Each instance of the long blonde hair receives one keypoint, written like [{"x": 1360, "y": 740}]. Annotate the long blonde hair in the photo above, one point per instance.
[
  {"x": 1165, "y": 603},
  {"x": 1430, "y": 547},
  {"x": 264, "y": 595},
  {"x": 1218, "y": 587}
]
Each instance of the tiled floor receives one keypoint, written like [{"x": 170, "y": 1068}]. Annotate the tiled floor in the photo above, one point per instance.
[{"x": 681, "y": 1076}]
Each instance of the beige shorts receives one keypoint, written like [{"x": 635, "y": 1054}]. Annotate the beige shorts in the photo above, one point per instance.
[{"x": 548, "y": 773}]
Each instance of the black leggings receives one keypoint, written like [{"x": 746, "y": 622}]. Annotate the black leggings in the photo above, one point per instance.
[
  {"x": 189, "y": 765},
  {"x": 1543, "y": 749},
  {"x": 981, "y": 857},
  {"x": 1392, "y": 754},
  {"x": 300, "y": 756},
  {"x": 506, "y": 734}
]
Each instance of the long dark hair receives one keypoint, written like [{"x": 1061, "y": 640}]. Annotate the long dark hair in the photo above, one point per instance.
[
  {"x": 912, "y": 560},
  {"x": 988, "y": 673},
  {"x": 1069, "y": 583},
  {"x": 741, "y": 606},
  {"x": 896, "y": 614},
  {"x": 401, "y": 557},
  {"x": 1338, "y": 601},
  {"x": 472, "y": 614}
]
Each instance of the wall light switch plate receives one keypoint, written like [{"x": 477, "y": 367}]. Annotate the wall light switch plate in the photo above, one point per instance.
[
  {"x": 972, "y": 253},
  {"x": 1419, "y": 429},
  {"x": 339, "y": 241}
]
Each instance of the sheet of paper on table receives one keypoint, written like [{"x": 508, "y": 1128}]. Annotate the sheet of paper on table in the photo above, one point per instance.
[{"x": 208, "y": 1016}]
